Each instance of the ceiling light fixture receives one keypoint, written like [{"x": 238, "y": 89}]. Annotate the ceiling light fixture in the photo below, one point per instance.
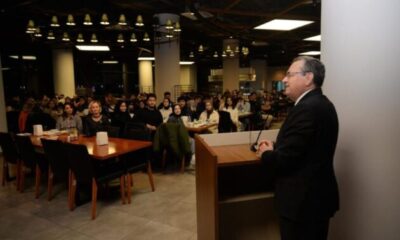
[
  {"x": 311, "y": 53},
  {"x": 54, "y": 22},
  {"x": 223, "y": 54},
  {"x": 168, "y": 25},
  {"x": 122, "y": 20},
  {"x": 282, "y": 24},
  {"x": 65, "y": 37},
  {"x": 191, "y": 55},
  {"x": 80, "y": 38},
  {"x": 314, "y": 38},
  {"x": 87, "y": 20},
  {"x": 104, "y": 19},
  {"x": 215, "y": 54},
  {"x": 201, "y": 49},
  {"x": 70, "y": 20},
  {"x": 139, "y": 21},
  {"x": 133, "y": 38},
  {"x": 146, "y": 58},
  {"x": 110, "y": 62},
  {"x": 146, "y": 37},
  {"x": 37, "y": 32},
  {"x": 50, "y": 35},
  {"x": 186, "y": 62},
  {"x": 93, "y": 39},
  {"x": 93, "y": 47},
  {"x": 177, "y": 27},
  {"x": 120, "y": 38},
  {"x": 30, "y": 28}
]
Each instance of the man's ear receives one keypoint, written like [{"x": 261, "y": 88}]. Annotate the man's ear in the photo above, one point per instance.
[{"x": 309, "y": 79}]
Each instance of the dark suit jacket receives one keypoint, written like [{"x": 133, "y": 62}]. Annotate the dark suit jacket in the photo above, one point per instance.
[{"x": 302, "y": 160}]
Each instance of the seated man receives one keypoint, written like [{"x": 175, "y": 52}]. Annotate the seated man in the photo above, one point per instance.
[
  {"x": 150, "y": 115},
  {"x": 210, "y": 116}
]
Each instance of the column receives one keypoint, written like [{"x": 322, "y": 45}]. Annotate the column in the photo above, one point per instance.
[
  {"x": 146, "y": 76},
  {"x": 230, "y": 66},
  {"x": 167, "y": 55},
  {"x": 189, "y": 76},
  {"x": 125, "y": 79},
  {"x": 360, "y": 48},
  {"x": 260, "y": 66},
  {"x": 3, "y": 119},
  {"x": 63, "y": 72}
]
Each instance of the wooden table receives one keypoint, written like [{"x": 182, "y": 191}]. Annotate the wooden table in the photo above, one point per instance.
[
  {"x": 114, "y": 148},
  {"x": 200, "y": 129},
  {"x": 244, "y": 114}
]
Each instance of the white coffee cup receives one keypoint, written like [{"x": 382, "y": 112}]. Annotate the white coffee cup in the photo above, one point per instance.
[{"x": 101, "y": 138}]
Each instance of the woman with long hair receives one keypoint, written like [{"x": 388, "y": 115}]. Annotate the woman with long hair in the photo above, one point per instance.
[{"x": 69, "y": 119}]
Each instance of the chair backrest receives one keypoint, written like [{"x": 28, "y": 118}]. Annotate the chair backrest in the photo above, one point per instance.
[
  {"x": 7, "y": 144},
  {"x": 113, "y": 131},
  {"x": 137, "y": 131},
  {"x": 79, "y": 162},
  {"x": 57, "y": 156},
  {"x": 26, "y": 151},
  {"x": 225, "y": 122}
]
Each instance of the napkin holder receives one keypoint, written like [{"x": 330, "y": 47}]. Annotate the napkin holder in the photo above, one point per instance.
[
  {"x": 101, "y": 138},
  {"x": 38, "y": 130}
]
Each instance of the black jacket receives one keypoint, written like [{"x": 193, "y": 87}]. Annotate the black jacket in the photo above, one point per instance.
[{"x": 302, "y": 160}]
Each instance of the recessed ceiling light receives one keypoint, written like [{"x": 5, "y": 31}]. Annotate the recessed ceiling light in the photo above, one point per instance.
[
  {"x": 315, "y": 38},
  {"x": 186, "y": 62},
  {"x": 93, "y": 47},
  {"x": 110, "y": 62},
  {"x": 282, "y": 24},
  {"x": 311, "y": 53},
  {"x": 146, "y": 58}
]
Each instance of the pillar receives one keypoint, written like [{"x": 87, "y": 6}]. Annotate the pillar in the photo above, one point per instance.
[
  {"x": 125, "y": 83},
  {"x": 360, "y": 49},
  {"x": 230, "y": 66},
  {"x": 146, "y": 76},
  {"x": 167, "y": 55},
  {"x": 3, "y": 119},
  {"x": 63, "y": 72},
  {"x": 260, "y": 66},
  {"x": 189, "y": 76}
]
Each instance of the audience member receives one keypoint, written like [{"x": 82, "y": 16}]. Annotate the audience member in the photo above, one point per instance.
[
  {"x": 69, "y": 119},
  {"x": 96, "y": 121},
  {"x": 211, "y": 116}
]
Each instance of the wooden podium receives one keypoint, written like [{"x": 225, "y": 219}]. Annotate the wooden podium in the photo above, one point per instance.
[{"x": 234, "y": 191}]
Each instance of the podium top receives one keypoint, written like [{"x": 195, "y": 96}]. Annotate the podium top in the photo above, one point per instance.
[{"x": 230, "y": 155}]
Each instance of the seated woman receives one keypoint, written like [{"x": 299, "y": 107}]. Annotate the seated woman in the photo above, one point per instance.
[
  {"x": 121, "y": 115},
  {"x": 69, "y": 119},
  {"x": 165, "y": 109},
  {"x": 210, "y": 116},
  {"x": 176, "y": 115},
  {"x": 230, "y": 107},
  {"x": 95, "y": 122}
]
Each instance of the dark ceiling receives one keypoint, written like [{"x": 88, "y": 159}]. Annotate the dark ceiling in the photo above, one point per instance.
[{"x": 216, "y": 20}]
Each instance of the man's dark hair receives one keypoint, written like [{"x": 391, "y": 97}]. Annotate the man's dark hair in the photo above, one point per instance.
[
  {"x": 151, "y": 95},
  {"x": 315, "y": 66},
  {"x": 167, "y": 93}
]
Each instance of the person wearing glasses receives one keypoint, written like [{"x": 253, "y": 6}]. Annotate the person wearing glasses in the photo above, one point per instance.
[{"x": 306, "y": 189}]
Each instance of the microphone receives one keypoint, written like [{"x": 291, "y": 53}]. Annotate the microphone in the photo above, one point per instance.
[{"x": 253, "y": 147}]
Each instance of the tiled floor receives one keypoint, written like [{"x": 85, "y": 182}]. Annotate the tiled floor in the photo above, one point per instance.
[{"x": 167, "y": 213}]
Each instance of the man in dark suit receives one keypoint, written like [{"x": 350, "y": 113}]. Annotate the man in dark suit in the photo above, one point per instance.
[{"x": 306, "y": 191}]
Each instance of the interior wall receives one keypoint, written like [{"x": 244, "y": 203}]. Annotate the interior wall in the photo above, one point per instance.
[
  {"x": 274, "y": 74},
  {"x": 3, "y": 120},
  {"x": 360, "y": 48}
]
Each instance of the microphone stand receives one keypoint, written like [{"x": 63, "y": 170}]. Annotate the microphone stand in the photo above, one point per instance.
[{"x": 253, "y": 147}]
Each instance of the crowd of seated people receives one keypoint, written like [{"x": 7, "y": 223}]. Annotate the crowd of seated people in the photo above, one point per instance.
[{"x": 90, "y": 115}]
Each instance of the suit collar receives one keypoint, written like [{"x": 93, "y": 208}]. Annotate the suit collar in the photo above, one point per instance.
[{"x": 313, "y": 92}]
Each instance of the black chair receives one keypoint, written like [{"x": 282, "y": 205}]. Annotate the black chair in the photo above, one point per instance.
[
  {"x": 58, "y": 162},
  {"x": 225, "y": 123},
  {"x": 31, "y": 159},
  {"x": 138, "y": 160},
  {"x": 10, "y": 155},
  {"x": 86, "y": 172},
  {"x": 113, "y": 131}
]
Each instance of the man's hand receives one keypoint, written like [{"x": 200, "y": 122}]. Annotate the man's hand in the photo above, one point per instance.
[{"x": 265, "y": 145}]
